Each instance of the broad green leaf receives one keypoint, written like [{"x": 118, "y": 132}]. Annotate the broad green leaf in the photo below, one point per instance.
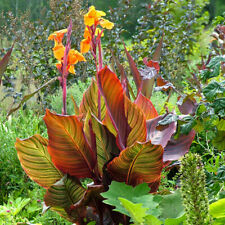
[
  {"x": 64, "y": 194},
  {"x": 105, "y": 143},
  {"x": 142, "y": 162},
  {"x": 159, "y": 134},
  {"x": 187, "y": 127},
  {"x": 219, "y": 221},
  {"x": 117, "y": 189},
  {"x": 112, "y": 91},
  {"x": 171, "y": 205},
  {"x": 36, "y": 161},
  {"x": 175, "y": 221},
  {"x": 146, "y": 106},
  {"x": 90, "y": 101},
  {"x": 219, "y": 104},
  {"x": 67, "y": 145},
  {"x": 135, "y": 211},
  {"x": 152, "y": 220},
  {"x": 219, "y": 140},
  {"x": 212, "y": 90},
  {"x": 221, "y": 125},
  {"x": 217, "y": 209}
]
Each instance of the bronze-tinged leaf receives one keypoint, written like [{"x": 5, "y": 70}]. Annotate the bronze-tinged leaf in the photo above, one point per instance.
[
  {"x": 137, "y": 122},
  {"x": 175, "y": 149},
  {"x": 36, "y": 161},
  {"x": 63, "y": 195},
  {"x": 4, "y": 62},
  {"x": 67, "y": 146},
  {"x": 90, "y": 101},
  {"x": 160, "y": 134},
  {"x": 142, "y": 162},
  {"x": 134, "y": 70},
  {"x": 163, "y": 85},
  {"x": 146, "y": 106},
  {"x": 112, "y": 91},
  {"x": 105, "y": 143},
  {"x": 187, "y": 104}
]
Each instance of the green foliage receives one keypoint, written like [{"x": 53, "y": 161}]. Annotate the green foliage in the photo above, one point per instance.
[
  {"x": 180, "y": 22},
  {"x": 144, "y": 208},
  {"x": 195, "y": 198}
]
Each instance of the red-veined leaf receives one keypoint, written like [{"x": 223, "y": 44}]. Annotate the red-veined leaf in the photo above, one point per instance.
[
  {"x": 147, "y": 107},
  {"x": 160, "y": 134},
  {"x": 134, "y": 70},
  {"x": 90, "y": 101},
  {"x": 36, "y": 161},
  {"x": 76, "y": 108},
  {"x": 63, "y": 195},
  {"x": 175, "y": 149},
  {"x": 4, "y": 62},
  {"x": 142, "y": 162},
  {"x": 157, "y": 53},
  {"x": 105, "y": 143},
  {"x": 137, "y": 122},
  {"x": 67, "y": 146},
  {"x": 112, "y": 91}
]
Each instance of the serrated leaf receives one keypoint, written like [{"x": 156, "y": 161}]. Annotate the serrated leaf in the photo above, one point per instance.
[
  {"x": 146, "y": 106},
  {"x": 36, "y": 161},
  {"x": 212, "y": 90},
  {"x": 117, "y": 189},
  {"x": 142, "y": 162},
  {"x": 217, "y": 209},
  {"x": 67, "y": 145},
  {"x": 135, "y": 211},
  {"x": 171, "y": 205}
]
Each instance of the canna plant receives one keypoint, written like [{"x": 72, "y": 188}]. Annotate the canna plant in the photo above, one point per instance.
[{"x": 110, "y": 138}]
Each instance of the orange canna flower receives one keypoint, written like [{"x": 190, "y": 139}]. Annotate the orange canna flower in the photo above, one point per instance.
[
  {"x": 58, "y": 51},
  {"x": 93, "y": 16},
  {"x": 85, "y": 45},
  {"x": 57, "y": 36},
  {"x": 106, "y": 24}
]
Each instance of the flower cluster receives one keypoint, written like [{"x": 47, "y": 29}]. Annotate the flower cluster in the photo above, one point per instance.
[
  {"x": 59, "y": 49},
  {"x": 91, "y": 20}
]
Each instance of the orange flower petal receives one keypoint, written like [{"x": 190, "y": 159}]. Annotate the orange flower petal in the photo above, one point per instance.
[
  {"x": 58, "y": 51},
  {"x": 85, "y": 46},
  {"x": 71, "y": 69},
  {"x": 106, "y": 24},
  {"x": 93, "y": 16},
  {"x": 57, "y": 35}
]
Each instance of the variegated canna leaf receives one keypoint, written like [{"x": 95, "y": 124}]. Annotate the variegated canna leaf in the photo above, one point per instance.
[
  {"x": 137, "y": 122},
  {"x": 36, "y": 161},
  {"x": 68, "y": 147},
  {"x": 175, "y": 149},
  {"x": 147, "y": 107},
  {"x": 90, "y": 101},
  {"x": 63, "y": 195},
  {"x": 142, "y": 162},
  {"x": 105, "y": 143},
  {"x": 112, "y": 91},
  {"x": 160, "y": 134},
  {"x": 127, "y": 118}
]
